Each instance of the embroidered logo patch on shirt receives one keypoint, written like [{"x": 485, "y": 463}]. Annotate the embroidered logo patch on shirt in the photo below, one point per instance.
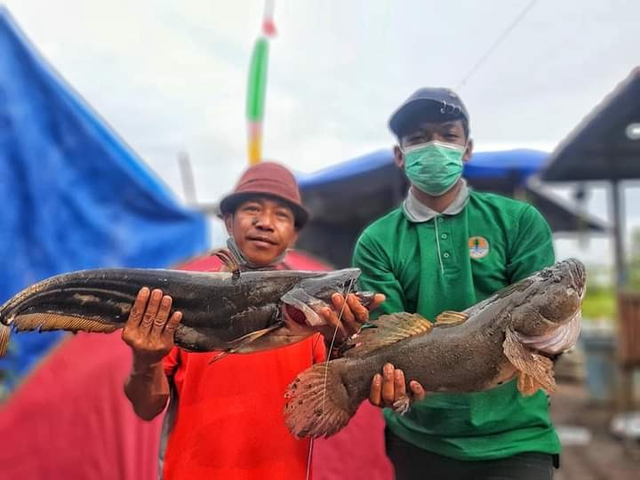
[{"x": 478, "y": 247}]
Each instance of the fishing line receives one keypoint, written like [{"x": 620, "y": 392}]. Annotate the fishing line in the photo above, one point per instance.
[
  {"x": 333, "y": 339},
  {"x": 326, "y": 369}
]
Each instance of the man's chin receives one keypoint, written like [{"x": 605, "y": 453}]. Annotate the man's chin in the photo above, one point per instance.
[{"x": 262, "y": 257}]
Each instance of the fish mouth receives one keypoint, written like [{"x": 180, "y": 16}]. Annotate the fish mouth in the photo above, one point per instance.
[
  {"x": 301, "y": 309},
  {"x": 558, "y": 340}
]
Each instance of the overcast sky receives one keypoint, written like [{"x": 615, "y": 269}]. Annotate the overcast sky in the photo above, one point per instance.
[{"x": 171, "y": 76}]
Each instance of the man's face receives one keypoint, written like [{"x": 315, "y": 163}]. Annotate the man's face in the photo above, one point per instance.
[
  {"x": 447, "y": 132},
  {"x": 263, "y": 229}
]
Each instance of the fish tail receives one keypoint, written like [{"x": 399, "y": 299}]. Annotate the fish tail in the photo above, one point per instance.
[
  {"x": 318, "y": 401},
  {"x": 5, "y": 333}
]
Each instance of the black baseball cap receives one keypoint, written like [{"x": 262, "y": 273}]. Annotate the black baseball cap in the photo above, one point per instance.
[{"x": 427, "y": 104}]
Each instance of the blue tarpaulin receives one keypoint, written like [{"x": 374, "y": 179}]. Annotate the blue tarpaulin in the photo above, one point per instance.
[{"x": 73, "y": 195}]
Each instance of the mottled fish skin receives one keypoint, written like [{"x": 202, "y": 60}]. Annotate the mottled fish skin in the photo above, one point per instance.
[
  {"x": 466, "y": 357},
  {"x": 217, "y": 307}
]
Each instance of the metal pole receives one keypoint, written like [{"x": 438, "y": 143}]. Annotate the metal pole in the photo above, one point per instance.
[
  {"x": 188, "y": 182},
  {"x": 617, "y": 201}
]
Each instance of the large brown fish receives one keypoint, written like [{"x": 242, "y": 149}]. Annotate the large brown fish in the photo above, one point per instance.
[
  {"x": 511, "y": 334},
  {"x": 239, "y": 312}
]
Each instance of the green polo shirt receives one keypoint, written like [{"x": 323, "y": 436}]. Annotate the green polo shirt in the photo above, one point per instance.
[{"x": 451, "y": 263}]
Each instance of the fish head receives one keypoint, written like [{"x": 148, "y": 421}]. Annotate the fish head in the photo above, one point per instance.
[
  {"x": 302, "y": 304},
  {"x": 548, "y": 315}
]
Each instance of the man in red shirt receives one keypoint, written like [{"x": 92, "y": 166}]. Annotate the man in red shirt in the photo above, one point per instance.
[{"x": 225, "y": 419}]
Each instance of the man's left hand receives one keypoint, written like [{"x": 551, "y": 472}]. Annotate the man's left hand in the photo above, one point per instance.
[{"x": 347, "y": 317}]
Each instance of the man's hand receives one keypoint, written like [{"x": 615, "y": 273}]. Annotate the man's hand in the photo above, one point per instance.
[
  {"x": 149, "y": 330},
  {"x": 389, "y": 390},
  {"x": 347, "y": 317}
]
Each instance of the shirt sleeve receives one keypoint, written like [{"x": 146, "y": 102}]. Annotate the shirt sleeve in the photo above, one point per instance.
[
  {"x": 377, "y": 275},
  {"x": 171, "y": 362},
  {"x": 532, "y": 247}
]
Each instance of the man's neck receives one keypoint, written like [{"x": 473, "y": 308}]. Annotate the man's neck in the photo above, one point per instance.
[{"x": 439, "y": 203}]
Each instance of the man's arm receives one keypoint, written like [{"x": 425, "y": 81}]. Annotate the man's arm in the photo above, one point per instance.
[
  {"x": 531, "y": 248},
  {"x": 149, "y": 332},
  {"x": 389, "y": 386},
  {"x": 377, "y": 275}
]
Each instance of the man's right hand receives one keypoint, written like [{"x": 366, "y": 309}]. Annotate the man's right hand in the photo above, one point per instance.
[
  {"x": 149, "y": 330},
  {"x": 389, "y": 390}
]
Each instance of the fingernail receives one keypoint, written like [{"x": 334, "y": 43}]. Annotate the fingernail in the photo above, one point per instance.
[
  {"x": 157, "y": 294},
  {"x": 377, "y": 378},
  {"x": 388, "y": 368}
]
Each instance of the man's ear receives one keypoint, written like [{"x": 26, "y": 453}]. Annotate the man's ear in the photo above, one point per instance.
[
  {"x": 228, "y": 223},
  {"x": 398, "y": 157},
  {"x": 468, "y": 152}
]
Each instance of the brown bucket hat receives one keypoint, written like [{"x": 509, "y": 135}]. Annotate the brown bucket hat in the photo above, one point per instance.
[{"x": 269, "y": 179}]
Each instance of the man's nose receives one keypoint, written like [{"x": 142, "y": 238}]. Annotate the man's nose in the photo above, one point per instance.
[{"x": 264, "y": 221}]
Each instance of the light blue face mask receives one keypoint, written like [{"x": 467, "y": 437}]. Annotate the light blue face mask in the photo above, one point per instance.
[{"x": 434, "y": 167}]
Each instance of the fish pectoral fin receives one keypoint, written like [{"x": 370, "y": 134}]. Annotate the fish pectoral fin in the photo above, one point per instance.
[
  {"x": 388, "y": 329},
  {"x": 47, "y": 321},
  {"x": 451, "y": 318},
  {"x": 5, "y": 333},
  {"x": 241, "y": 343},
  {"x": 536, "y": 371}
]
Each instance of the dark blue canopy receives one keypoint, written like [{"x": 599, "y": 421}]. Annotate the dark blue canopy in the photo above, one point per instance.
[{"x": 73, "y": 195}]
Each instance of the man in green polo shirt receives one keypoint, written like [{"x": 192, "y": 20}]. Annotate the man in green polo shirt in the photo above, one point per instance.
[{"x": 446, "y": 248}]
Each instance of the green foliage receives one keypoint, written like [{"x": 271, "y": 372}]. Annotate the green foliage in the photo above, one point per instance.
[{"x": 599, "y": 302}]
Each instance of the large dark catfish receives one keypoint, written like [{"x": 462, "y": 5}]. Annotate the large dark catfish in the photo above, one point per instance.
[
  {"x": 511, "y": 334},
  {"x": 230, "y": 312}
]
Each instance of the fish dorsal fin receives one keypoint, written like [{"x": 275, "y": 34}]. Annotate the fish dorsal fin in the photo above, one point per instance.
[
  {"x": 54, "y": 321},
  {"x": 451, "y": 318},
  {"x": 388, "y": 329},
  {"x": 535, "y": 371}
]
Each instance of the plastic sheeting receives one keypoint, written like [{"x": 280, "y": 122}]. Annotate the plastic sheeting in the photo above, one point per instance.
[{"x": 72, "y": 194}]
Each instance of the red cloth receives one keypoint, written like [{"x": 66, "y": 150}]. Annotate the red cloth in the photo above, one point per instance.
[
  {"x": 229, "y": 420},
  {"x": 70, "y": 418}
]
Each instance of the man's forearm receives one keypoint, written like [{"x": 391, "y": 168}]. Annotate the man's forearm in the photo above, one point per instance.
[{"x": 147, "y": 388}]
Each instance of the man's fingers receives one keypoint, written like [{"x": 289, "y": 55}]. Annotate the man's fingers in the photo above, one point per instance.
[
  {"x": 138, "y": 308},
  {"x": 399, "y": 385},
  {"x": 417, "y": 390},
  {"x": 388, "y": 385},
  {"x": 342, "y": 308},
  {"x": 152, "y": 309},
  {"x": 378, "y": 298},
  {"x": 161, "y": 317},
  {"x": 376, "y": 390},
  {"x": 360, "y": 313},
  {"x": 172, "y": 323},
  {"x": 335, "y": 323}
]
